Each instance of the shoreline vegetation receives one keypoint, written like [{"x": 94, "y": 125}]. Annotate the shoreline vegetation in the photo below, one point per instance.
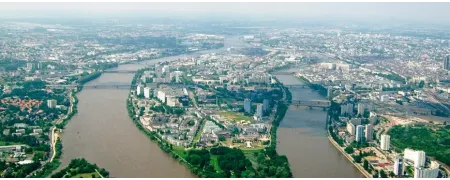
[
  {"x": 54, "y": 163},
  {"x": 80, "y": 168},
  {"x": 212, "y": 161}
]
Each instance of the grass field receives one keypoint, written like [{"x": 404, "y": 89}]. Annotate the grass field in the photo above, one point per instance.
[
  {"x": 199, "y": 132},
  {"x": 235, "y": 117},
  {"x": 215, "y": 162},
  {"x": 252, "y": 150},
  {"x": 180, "y": 151},
  {"x": 86, "y": 175},
  {"x": 2, "y": 143}
]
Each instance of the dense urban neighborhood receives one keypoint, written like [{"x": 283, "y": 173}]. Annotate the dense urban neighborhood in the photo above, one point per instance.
[{"x": 214, "y": 97}]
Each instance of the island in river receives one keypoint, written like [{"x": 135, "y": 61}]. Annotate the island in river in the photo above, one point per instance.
[{"x": 214, "y": 128}]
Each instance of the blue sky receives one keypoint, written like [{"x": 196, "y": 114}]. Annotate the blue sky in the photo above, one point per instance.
[{"x": 420, "y": 12}]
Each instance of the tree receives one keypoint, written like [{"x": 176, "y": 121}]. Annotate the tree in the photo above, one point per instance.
[
  {"x": 391, "y": 174},
  {"x": 383, "y": 174},
  {"x": 376, "y": 174},
  {"x": 222, "y": 138},
  {"x": 366, "y": 164},
  {"x": 421, "y": 84},
  {"x": 195, "y": 159},
  {"x": 349, "y": 149}
]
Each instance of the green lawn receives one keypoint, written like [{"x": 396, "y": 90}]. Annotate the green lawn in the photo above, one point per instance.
[
  {"x": 215, "y": 162},
  {"x": 3, "y": 143},
  {"x": 199, "y": 132},
  {"x": 235, "y": 117},
  {"x": 180, "y": 151},
  {"x": 86, "y": 175},
  {"x": 252, "y": 150}
]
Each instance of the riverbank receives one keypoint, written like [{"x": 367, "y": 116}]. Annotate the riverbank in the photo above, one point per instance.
[
  {"x": 56, "y": 147},
  {"x": 358, "y": 166}
]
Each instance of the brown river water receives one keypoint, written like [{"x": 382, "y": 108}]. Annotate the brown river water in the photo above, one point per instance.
[{"x": 103, "y": 133}]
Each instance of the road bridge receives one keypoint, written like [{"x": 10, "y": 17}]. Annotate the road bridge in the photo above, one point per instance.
[
  {"x": 283, "y": 73},
  {"x": 312, "y": 103},
  {"x": 120, "y": 71},
  {"x": 297, "y": 86},
  {"x": 93, "y": 86}
]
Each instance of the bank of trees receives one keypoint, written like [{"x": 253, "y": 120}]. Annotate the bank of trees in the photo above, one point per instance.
[
  {"x": 434, "y": 141},
  {"x": 79, "y": 166},
  {"x": 88, "y": 77}
]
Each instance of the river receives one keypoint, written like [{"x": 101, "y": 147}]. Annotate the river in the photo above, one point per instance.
[
  {"x": 102, "y": 133},
  {"x": 302, "y": 137}
]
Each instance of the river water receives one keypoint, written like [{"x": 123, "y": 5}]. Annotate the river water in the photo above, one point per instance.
[
  {"x": 302, "y": 137},
  {"x": 102, "y": 133}
]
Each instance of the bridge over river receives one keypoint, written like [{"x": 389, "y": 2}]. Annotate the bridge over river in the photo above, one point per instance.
[
  {"x": 91, "y": 86},
  {"x": 312, "y": 103},
  {"x": 120, "y": 71}
]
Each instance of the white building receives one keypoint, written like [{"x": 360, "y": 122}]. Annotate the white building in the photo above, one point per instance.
[
  {"x": 347, "y": 109},
  {"x": 147, "y": 92},
  {"x": 431, "y": 172},
  {"x": 259, "y": 110},
  {"x": 266, "y": 105},
  {"x": 385, "y": 142},
  {"x": 369, "y": 132},
  {"x": 359, "y": 133},
  {"x": 351, "y": 128},
  {"x": 418, "y": 157},
  {"x": 139, "y": 90},
  {"x": 399, "y": 166},
  {"x": 363, "y": 106},
  {"x": 165, "y": 69},
  {"x": 161, "y": 95},
  {"x": 51, "y": 103},
  {"x": 172, "y": 101}
]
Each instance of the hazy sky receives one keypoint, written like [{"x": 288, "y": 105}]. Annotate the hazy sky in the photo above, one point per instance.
[{"x": 424, "y": 12}]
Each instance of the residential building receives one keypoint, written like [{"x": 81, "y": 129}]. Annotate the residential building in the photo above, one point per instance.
[
  {"x": 51, "y": 103},
  {"x": 329, "y": 92},
  {"x": 431, "y": 172},
  {"x": 139, "y": 90},
  {"x": 161, "y": 95},
  {"x": 259, "y": 110},
  {"x": 385, "y": 142},
  {"x": 356, "y": 121},
  {"x": 351, "y": 128},
  {"x": 369, "y": 132},
  {"x": 266, "y": 105},
  {"x": 248, "y": 106},
  {"x": 147, "y": 92},
  {"x": 447, "y": 62},
  {"x": 347, "y": 109},
  {"x": 399, "y": 166},
  {"x": 165, "y": 69},
  {"x": 418, "y": 157},
  {"x": 362, "y": 107},
  {"x": 360, "y": 133},
  {"x": 171, "y": 101}
]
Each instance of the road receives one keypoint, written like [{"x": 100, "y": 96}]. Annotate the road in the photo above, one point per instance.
[
  {"x": 192, "y": 96},
  {"x": 54, "y": 136}
]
